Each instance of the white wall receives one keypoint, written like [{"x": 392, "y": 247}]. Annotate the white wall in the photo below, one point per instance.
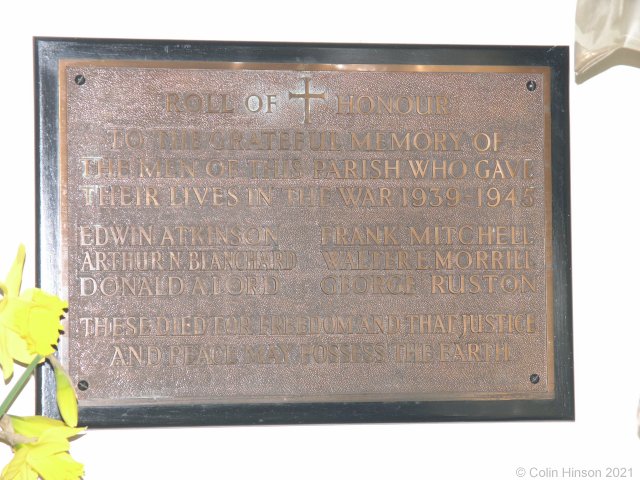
[{"x": 605, "y": 172}]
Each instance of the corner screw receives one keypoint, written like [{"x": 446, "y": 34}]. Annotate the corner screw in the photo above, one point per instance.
[
  {"x": 80, "y": 79},
  {"x": 534, "y": 378},
  {"x": 83, "y": 385},
  {"x": 531, "y": 85}
]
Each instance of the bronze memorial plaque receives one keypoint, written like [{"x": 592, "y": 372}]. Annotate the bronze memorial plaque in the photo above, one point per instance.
[{"x": 238, "y": 233}]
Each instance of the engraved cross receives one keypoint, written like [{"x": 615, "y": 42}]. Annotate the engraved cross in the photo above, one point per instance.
[{"x": 307, "y": 95}]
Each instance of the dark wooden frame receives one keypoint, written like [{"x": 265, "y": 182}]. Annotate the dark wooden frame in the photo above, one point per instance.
[{"x": 47, "y": 53}]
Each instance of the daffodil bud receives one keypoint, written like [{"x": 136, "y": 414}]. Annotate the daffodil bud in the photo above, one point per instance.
[{"x": 65, "y": 394}]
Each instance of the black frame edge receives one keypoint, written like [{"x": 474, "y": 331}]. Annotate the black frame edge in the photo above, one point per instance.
[
  {"x": 45, "y": 395},
  {"x": 48, "y": 50}
]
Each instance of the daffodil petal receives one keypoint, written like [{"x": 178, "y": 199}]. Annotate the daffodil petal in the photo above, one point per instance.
[
  {"x": 64, "y": 432},
  {"x": 46, "y": 447},
  {"x": 34, "y": 426},
  {"x": 47, "y": 429},
  {"x": 57, "y": 467},
  {"x": 12, "y": 348},
  {"x": 4, "y": 292},
  {"x": 14, "y": 278},
  {"x": 6, "y": 359},
  {"x": 15, "y": 312},
  {"x": 66, "y": 397},
  {"x": 18, "y": 468}
]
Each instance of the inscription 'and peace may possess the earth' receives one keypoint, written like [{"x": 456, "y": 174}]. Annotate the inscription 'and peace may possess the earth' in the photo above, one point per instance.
[{"x": 277, "y": 232}]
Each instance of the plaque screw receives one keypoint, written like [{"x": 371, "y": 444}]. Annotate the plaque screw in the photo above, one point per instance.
[
  {"x": 80, "y": 79},
  {"x": 531, "y": 85},
  {"x": 83, "y": 385},
  {"x": 534, "y": 378}
]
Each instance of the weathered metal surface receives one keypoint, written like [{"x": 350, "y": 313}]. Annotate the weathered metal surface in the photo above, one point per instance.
[{"x": 245, "y": 232}]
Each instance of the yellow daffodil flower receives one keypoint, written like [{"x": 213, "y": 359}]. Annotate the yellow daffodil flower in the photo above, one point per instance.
[
  {"x": 29, "y": 321},
  {"x": 47, "y": 456}
]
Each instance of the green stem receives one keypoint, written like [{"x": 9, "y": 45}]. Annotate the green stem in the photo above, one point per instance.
[{"x": 17, "y": 388}]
